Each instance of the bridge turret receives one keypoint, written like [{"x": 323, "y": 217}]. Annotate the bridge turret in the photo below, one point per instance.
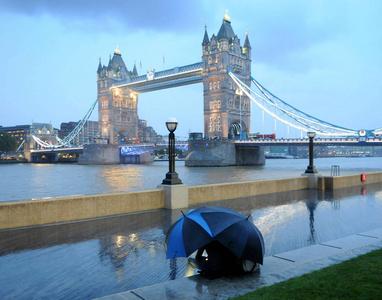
[
  {"x": 206, "y": 41},
  {"x": 117, "y": 107},
  {"x": 224, "y": 108},
  {"x": 247, "y": 46},
  {"x": 117, "y": 68},
  {"x": 99, "y": 69},
  {"x": 135, "y": 72}
]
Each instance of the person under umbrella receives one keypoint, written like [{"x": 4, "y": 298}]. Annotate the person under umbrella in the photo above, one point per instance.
[{"x": 227, "y": 241}]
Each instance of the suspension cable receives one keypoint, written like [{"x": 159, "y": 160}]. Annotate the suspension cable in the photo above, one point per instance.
[{"x": 305, "y": 121}]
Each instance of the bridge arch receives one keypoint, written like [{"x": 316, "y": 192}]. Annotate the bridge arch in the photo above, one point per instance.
[{"x": 236, "y": 128}]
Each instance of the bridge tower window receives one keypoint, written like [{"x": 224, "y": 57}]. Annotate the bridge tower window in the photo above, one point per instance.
[
  {"x": 104, "y": 103},
  {"x": 215, "y": 124},
  {"x": 215, "y": 105}
]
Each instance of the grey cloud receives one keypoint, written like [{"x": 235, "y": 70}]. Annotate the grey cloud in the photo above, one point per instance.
[
  {"x": 169, "y": 15},
  {"x": 281, "y": 30}
]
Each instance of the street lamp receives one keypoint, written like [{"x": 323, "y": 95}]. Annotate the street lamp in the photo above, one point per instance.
[
  {"x": 311, "y": 169},
  {"x": 171, "y": 176}
]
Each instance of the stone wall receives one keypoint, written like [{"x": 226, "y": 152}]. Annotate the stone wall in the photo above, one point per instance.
[
  {"x": 100, "y": 154},
  {"x": 74, "y": 208},
  {"x": 211, "y": 153},
  {"x": 337, "y": 182},
  {"x": 222, "y": 191},
  {"x": 250, "y": 156},
  {"x": 218, "y": 153}
]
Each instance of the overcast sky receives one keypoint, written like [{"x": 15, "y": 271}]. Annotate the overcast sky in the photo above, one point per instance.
[{"x": 324, "y": 57}]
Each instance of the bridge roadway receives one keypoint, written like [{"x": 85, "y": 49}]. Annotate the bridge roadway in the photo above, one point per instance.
[
  {"x": 78, "y": 149},
  {"x": 317, "y": 141},
  {"x": 55, "y": 155},
  {"x": 174, "y": 77}
]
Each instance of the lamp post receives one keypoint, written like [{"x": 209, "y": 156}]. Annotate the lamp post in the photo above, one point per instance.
[
  {"x": 171, "y": 176},
  {"x": 311, "y": 169}
]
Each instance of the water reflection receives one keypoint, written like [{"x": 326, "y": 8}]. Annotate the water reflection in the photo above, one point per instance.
[
  {"x": 173, "y": 269},
  {"x": 122, "y": 178},
  {"x": 311, "y": 205},
  {"x": 114, "y": 248}
]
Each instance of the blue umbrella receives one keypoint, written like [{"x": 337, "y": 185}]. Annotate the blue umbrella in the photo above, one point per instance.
[{"x": 204, "y": 225}]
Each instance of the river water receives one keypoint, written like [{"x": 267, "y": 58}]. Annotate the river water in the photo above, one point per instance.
[{"x": 33, "y": 181}]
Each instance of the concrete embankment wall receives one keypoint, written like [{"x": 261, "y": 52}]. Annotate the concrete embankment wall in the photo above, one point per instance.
[
  {"x": 328, "y": 183},
  {"x": 214, "y": 192},
  {"x": 75, "y": 208},
  {"x": 69, "y": 209}
]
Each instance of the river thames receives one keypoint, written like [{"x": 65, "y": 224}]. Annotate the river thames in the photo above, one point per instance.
[
  {"x": 33, "y": 181},
  {"x": 84, "y": 260}
]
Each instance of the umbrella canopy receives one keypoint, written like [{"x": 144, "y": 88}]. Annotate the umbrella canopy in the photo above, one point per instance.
[{"x": 204, "y": 225}]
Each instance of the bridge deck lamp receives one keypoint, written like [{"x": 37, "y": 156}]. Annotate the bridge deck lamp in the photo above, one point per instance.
[
  {"x": 171, "y": 176},
  {"x": 311, "y": 169}
]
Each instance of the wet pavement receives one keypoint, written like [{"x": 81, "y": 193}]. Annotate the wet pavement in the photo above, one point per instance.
[
  {"x": 276, "y": 268},
  {"x": 92, "y": 259}
]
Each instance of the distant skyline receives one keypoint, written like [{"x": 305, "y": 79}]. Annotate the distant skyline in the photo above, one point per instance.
[{"x": 324, "y": 57}]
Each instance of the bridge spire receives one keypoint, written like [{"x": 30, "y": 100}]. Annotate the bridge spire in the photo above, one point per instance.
[
  {"x": 135, "y": 72},
  {"x": 247, "y": 44},
  {"x": 226, "y": 17},
  {"x": 226, "y": 31},
  {"x": 206, "y": 40},
  {"x": 117, "y": 51},
  {"x": 99, "y": 66}
]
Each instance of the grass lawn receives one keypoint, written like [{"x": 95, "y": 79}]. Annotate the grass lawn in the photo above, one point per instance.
[{"x": 358, "y": 278}]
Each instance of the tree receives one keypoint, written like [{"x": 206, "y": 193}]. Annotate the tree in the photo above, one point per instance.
[{"x": 7, "y": 142}]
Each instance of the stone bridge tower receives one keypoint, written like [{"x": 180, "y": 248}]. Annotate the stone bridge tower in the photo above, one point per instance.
[
  {"x": 221, "y": 54},
  {"x": 117, "y": 107}
]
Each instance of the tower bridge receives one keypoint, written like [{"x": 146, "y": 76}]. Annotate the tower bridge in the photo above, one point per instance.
[
  {"x": 224, "y": 108},
  {"x": 229, "y": 90}
]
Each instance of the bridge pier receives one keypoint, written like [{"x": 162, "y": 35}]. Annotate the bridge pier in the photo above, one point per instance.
[
  {"x": 44, "y": 157},
  {"x": 217, "y": 153},
  {"x": 250, "y": 156}
]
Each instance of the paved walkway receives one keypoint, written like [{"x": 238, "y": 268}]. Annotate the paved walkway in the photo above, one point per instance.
[{"x": 276, "y": 268}]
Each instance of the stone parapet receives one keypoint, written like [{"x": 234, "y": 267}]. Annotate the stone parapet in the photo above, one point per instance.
[
  {"x": 222, "y": 191},
  {"x": 328, "y": 183},
  {"x": 84, "y": 207},
  {"x": 75, "y": 208}
]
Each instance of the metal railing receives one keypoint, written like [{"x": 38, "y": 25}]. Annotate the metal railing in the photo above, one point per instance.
[{"x": 335, "y": 170}]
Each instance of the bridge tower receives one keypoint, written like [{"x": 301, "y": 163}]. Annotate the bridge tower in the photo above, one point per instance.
[
  {"x": 221, "y": 54},
  {"x": 117, "y": 108}
]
